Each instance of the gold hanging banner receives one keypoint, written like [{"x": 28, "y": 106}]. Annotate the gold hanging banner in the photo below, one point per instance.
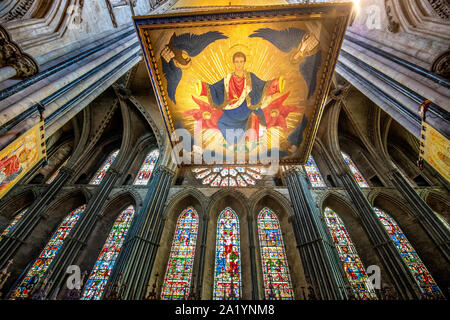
[
  {"x": 435, "y": 149},
  {"x": 20, "y": 156}
]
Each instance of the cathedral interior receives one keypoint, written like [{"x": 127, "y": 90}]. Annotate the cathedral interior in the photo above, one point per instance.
[{"x": 364, "y": 215}]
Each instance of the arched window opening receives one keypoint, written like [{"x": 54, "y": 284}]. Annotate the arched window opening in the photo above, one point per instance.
[
  {"x": 313, "y": 173},
  {"x": 356, "y": 174},
  {"x": 100, "y": 174},
  {"x": 13, "y": 223},
  {"x": 39, "y": 268},
  {"x": 228, "y": 176},
  {"x": 99, "y": 276},
  {"x": 177, "y": 281},
  {"x": 276, "y": 276},
  {"x": 145, "y": 172},
  {"x": 421, "y": 275},
  {"x": 356, "y": 274},
  {"x": 227, "y": 271}
]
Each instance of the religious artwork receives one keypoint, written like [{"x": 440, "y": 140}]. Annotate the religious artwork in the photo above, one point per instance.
[
  {"x": 356, "y": 274},
  {"x": 228, "y": 176},
  {"x": 177, "y": 282},
  {"x": 421, "y": 275},
  {"x": 39, "y": 268},
  {"x": 227, "y": 271},
  {"x": 99, "y": 276},
  {"x": 356, "y": 174},
  {"x": 435, "y": 149},
  {"x": 146, "y": 169},
  {"x": 276, "y": 276},
  {"x": 13, "y": 223},
  {"x": 250, "y": 84},
  {"x": 20, "y": 156},
  {"x": 313, "y": 173},
  {"x": 100, "y": 174}
]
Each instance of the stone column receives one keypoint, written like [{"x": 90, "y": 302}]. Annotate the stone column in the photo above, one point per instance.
[
  {"x": 77, "y": 238},
  {"x": 255, "y": 291},
  {"x": 424, "y": 214},
  {"x": 201, "y": 265},
  {"x": 11, "y": 242},
  {"x": 395, "y": 266},
  {"x": 135, "y": 261},
  {"x": 317, "y": 251}
]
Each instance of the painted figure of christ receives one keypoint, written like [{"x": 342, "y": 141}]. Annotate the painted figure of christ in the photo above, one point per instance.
[{"x": 242, "y": 96}]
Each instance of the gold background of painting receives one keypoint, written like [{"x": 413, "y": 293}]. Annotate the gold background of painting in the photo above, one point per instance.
[
  {"x": 436, "y": 150},
  {"x": 264, "y": 60}
]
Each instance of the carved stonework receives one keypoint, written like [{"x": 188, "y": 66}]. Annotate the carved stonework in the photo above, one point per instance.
[
  {"x": 393, "y": 26},
  {"x": 441, "y": 7},
  {"x": 442, "y": 65},
  {"x": 18, "y": 11},
  {"x": 11, "y": 55}
]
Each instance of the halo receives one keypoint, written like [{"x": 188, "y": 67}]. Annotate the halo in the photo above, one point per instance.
[{"x": 236, "y": 48}]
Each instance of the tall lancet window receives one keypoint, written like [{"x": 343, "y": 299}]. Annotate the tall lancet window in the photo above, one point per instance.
[
  {"x": 177, "y": 282},
  {"x": 356, "y": 274},
  {"x": 39, "y": 268},
  {"x": 421, "y": 274},
  {"x": 227, "y": 271},
  {"x": 356, "y": 174},
  {"x": 100, "y": 174},
  {"x": 13, "y": 223},
  {"x": 147, "y": 167},
  {"x": 277, "y": 280},
  {"x": 313, "y": 173},
  {"x": 102, "y": 269}
]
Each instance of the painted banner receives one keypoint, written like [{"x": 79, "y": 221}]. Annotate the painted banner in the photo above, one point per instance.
[
  {"x": 435, "y": 149},
  {"x": 238, "y": 81},
  {"x": 20, "y": 156}
]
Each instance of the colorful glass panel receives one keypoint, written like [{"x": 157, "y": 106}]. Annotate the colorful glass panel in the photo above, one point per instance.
[
  {"x": 147, "y": 167},
  {"x": 277, "y": 280},
  {"x": 313, "y": 173},
  {"x": 13, "y": 223},
  {"x": 421, "y": 274},
  {"x": 177, "y": 282},
  {"x": 356, "y": 274},
  {"x": 40, "y": 266},
  {"x": 228, "y": 176},
  {"x": 102, "y": 269},
  {"x": 356, "y": 174},
  {"x": 227, "y": 271},
  {"x": 100, "y": 174}
]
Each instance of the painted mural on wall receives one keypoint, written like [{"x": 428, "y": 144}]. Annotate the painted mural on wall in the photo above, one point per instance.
[
  {"x": 20, "y": 156},
  {"x": 244, "y": 84}
]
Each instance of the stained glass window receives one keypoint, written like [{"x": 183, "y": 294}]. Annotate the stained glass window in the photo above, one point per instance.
[
  {"x": 177, "y": 282},
  {"x": 356, "y": 274},
  {"x": 13, "y": 223},
  {"x": 102, "y": 269},
  {"x": 446, "y": 224},
  {"x": 147, "y": 167},
  {"x": 277, "y": 280},
  {"x": 356, "y": 174},
  {"x": 313, "y": 173},
  {"x": 228, "y": 176},
  {"x": 40, "y": 266},
  {"x": 100, "y": 174},
  {"x": 54, "y": 175},
  {"x": 227, "y": 271},
  {"x": 421, "y": 274}
]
